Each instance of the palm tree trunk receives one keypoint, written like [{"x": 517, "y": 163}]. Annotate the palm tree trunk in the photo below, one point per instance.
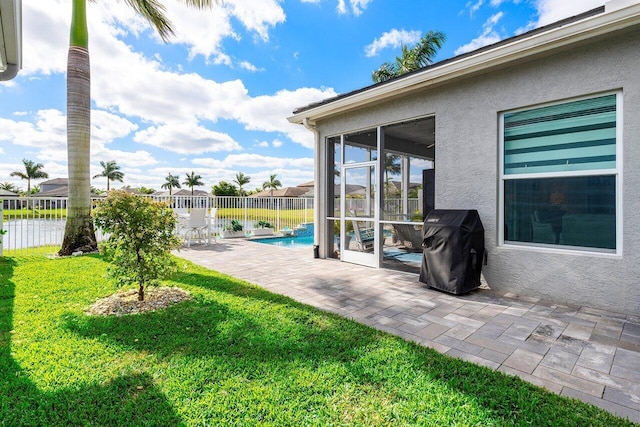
[{"x": 79, "y": 234}]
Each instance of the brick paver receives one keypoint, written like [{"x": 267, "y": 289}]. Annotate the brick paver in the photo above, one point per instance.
[{"x": 581, "y": 352}]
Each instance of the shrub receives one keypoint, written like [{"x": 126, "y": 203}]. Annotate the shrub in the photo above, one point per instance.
[
  {"x": 141, "y": 239},
  {"x": 234, "y": 226},
  {"x": 263, "y": 224}
]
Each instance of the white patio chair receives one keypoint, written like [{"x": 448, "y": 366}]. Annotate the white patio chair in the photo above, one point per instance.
[
  {"x": 198, "y": 226},
  {"x": 364, "y": 237}
]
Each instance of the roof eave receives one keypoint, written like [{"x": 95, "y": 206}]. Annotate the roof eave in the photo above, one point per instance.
[
  {"x": 501, "y": 55},
  {"x": 10, "y": 38}
]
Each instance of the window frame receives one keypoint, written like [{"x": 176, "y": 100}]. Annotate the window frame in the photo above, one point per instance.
[{"x": 617, "y": 172}]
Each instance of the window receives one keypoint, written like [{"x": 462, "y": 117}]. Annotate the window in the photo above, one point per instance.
[{"x": 560, "y": 174}]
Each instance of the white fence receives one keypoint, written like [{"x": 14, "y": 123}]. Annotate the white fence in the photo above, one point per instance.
[
  {"x": 33, "y": 224},
  {"x": 36, "y": 224}
]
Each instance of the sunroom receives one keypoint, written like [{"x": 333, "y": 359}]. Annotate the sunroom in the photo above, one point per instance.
[{"x": 537, "y": 133}]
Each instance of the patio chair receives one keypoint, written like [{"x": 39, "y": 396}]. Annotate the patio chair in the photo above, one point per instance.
[
  {"x": 183, "y": 219},
  {"x": 408, "y": 236},
  {"x": 197, "y": 226},
  {"x": 364, "y": 237}
]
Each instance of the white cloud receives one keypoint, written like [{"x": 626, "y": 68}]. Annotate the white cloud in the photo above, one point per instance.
[
  {"x": 247, "y": 160},
  {"x": 137, "y": 158},
  {"x": 48, "y": 130},
  {"x": 249, "y": 66},
  {"x": 186, "y": 138},
  {"x": 201, "y": 31},
  {"x": 153, "y": 94},
  {"x": 269, "y": 113},
  {"x": 257, "y": 17},
  {"x": 357, "y": 6},
  {"x": 342, "y": 7},
  {"x": 1, "y": 150},
  {"x": 106, "y": 126},
  {"x": 551, "y": 11},
  {"x": 394, "y": 38},
  {"x": 473, "y": 7},
  {"x": 45, "y": 51},
  {"x": 488, "y": 36},
  {"x": 131, "y": 87}
]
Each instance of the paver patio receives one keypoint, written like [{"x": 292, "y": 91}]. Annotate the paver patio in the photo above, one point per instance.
[{"x": 581, "y": 352}]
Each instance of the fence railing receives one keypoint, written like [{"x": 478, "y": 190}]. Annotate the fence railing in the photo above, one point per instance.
[
  {"x": 36, "y": 224},
  {"x": 33, "y": 224}
]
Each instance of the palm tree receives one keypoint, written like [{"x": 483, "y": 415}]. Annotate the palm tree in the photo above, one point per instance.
[
  {"x": 241, "y": 179},
  {"x": 193, "y": 180},
  {"x": 79, "y": 234},
  {"x": 7, "y": 186},
  {"x": 171, "y": 181},
  {"x": 272, "y": 184},
  {"x": 111, "y": 170},
  {"x": 32, "y": 171},
  {"x": 412, "y": 59}
]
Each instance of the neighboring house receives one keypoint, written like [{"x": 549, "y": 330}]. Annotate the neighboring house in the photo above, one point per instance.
[
  {"x": 57, "y": 187},
  {"x": 539, "y": 132},
  {"x": 182, "y": 193},
  {"x": 10, "y": 38},
  {"x": 6, "y": 203},
  {"x": 283, "y": 192}
]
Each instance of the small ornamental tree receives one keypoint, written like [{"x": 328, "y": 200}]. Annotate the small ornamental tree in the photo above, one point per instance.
[{"x": 141, "y": 239}]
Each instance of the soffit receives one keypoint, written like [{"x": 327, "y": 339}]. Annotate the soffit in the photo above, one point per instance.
[{"x": 10, "y": 38}]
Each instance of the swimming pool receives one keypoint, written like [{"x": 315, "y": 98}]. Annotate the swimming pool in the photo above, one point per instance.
[{"x": 288, "y": 242}]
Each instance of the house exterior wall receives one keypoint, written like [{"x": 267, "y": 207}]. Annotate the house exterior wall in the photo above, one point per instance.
[
  {"x": 50, "y": 187},
  {"x": 467, "y": 162}
]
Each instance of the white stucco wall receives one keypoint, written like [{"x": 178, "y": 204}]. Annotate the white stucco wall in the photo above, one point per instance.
[{"x": 467, "y": 135}]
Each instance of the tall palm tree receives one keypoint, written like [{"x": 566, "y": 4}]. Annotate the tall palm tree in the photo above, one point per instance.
[
  {"x": 411, "y": 59},
  {"x": 32, "y": 170},
  {"x": 272, "y": 184},
  {"x": 171, "y": 181},
  {"x": 241, "y": 179},
  {"x": 193, "y": 180},
  {"x": 111, "y": 171},
  {"x": 79, "y": 233}
]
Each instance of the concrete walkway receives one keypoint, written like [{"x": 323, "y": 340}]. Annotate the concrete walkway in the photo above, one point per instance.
[{"x": 581, "y": 352}]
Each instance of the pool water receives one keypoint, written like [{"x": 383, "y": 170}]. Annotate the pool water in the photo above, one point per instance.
[
  {"x": 288, "y": 242},
  {"x": 399, "y": 255},
  {"x": 307, "y": 242}
]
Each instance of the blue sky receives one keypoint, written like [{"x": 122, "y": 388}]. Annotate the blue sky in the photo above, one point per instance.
[{"x": 215, "y": 98}]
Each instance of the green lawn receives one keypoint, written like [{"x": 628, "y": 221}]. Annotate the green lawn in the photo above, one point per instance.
[
  {"x": 34, "y": 213},
  {"x": 233, "y": 355}
]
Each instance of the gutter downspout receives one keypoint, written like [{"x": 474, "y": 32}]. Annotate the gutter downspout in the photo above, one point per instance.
[{"x": 316, "y": 179}]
